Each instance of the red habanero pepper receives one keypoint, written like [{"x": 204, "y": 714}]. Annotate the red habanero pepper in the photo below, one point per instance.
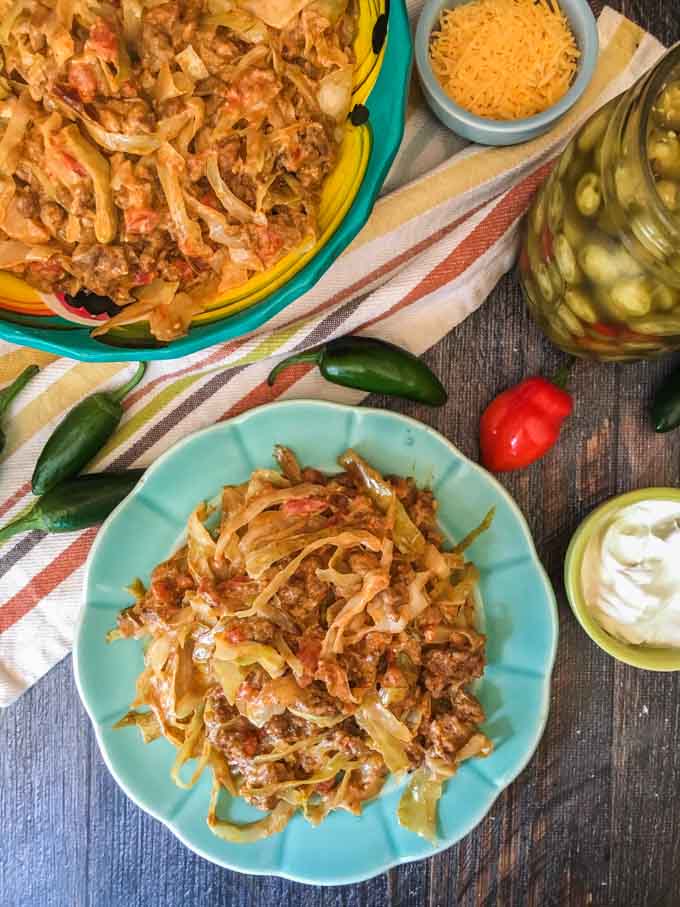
[{"x": 523, "y": 423}]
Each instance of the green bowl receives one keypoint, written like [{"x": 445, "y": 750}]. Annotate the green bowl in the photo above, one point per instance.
[
  {"x": 650, "y": 658},
  {"x": 381, "y": 79}
]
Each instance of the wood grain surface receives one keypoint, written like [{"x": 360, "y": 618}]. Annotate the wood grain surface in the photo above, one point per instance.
[{"x": 593, "y": 820}]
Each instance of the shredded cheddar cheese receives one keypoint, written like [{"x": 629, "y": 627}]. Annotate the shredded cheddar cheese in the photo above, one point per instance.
[{"x": 504, "y": 59}]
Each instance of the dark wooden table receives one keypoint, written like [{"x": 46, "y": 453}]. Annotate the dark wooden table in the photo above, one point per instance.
[{"x": 595, "y": 817}]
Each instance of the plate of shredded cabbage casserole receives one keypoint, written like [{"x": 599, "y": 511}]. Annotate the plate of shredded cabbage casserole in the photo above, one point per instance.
[{"x": 326, "y": 645}]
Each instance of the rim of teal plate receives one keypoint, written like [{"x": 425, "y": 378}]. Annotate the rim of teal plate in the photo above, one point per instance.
[
  {"x": 387, "y": 108},
  {"x": 503, "y": 781}
]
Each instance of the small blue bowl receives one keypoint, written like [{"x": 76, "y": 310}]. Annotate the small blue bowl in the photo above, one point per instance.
[{"x": 504, "y": 132}]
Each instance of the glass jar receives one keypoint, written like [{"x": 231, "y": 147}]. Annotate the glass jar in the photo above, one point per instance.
[{"x": 600, "y": 254}]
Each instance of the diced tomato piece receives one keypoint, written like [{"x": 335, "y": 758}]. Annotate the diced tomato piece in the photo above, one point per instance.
[
  {"x": 142, "y": 278},
  {"x": 325, "y": 786},
  {"x": 103, "y": 39},
  {"x": 73, "y": 164},
  {"x": 141, "y": 220},
  {"x": 184, "y": 269},
  {"x": 210, "y": 199},
  {"x": 48, "y": 270},
  {"x": 607, "y": 330},
  {"x": 308, "y": 653},
  {"x": 164, "y": 590},
  {"x": 269, "y": 242},
  {"x": 235, "y": 635},
  {"x": 82, "y": 79},
  {"x": 303, "y": 506},
  {"x": 393, "y": 677},
  {"x": 250, "y": 743}
]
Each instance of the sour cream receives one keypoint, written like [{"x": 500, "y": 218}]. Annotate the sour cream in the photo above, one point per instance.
[{"x": 631, "y": 574}]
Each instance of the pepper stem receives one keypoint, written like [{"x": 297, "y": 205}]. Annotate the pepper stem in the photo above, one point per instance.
[
  {"x": 561, "y": 377},
  {"x": 313, "y": 355},
  {"x": 123, "y": 391},
  {"x": 22, "y": 523},
  {"x": 17, "y": 385}
]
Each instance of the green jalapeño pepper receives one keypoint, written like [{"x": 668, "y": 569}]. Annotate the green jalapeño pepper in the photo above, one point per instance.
[
  {"x": 11, "y": 391},
  {"x": 665, "y": 410},
  {"x": 374, "y": 366},
  {"x": 81, "y": 435},
  {"x": 75, "y": 504}
]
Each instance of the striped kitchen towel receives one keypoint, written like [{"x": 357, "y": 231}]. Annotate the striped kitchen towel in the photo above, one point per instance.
[{"x": 439, "y": 239}]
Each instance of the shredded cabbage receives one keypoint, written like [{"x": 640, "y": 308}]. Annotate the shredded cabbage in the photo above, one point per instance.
[
  {"x": 157, "y": 293},
  {"x": 248, "y": 653},
  {"x": 132, "y": 22},
  {"x": 261, "y": 559},
  {"x": 273, "y": 699},
  {"x": 339, "y": 763},
  {"x": 418, "y": 600},
  {"x": 200, "y": 545},
  {"x": 373, "y": 584},
  {"x": 219, "y": 229},
  {"x": 321, "y": 721},
  {"x": 387, "y": 733},
  {"x": 475, "y": 533},
  {"x": 407, "y": 536},
  {"x": 248, "y": 512},
  {"x": 281, "y": 753},
  {"x": 146, "y": 722},
  {"x": 170, "y": 164},
  {"x": 230, "y": 676},
  {"x": 111, "y": 141},
  {"x": 246, "y": 27},
  {"x": 230, "y": 202},
  {"x": 276, "y": 13},
  {"x": 191, "y": 64},
  {"x": 97, "y": 168},
  {"x": 171, "y": 85},
  {"x": 335, "y": 93},
  {"x": 10, "y": 145},
  {"x": 249, "y": 832},
  {"x": 65, "y": 10},
  {"x": 417, "y": 810},
  {"x": 343, "y": 539},
  {"x": 194, "y": 734},
  {"x": 10, "y": 18},
  {"x": 17, "y": 253}
]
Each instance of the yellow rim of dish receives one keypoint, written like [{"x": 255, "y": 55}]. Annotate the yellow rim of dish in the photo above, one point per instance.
[{"x": 646, "y": 657}]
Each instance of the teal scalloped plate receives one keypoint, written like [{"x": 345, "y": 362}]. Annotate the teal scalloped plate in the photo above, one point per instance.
[{"x": 519, "y": 613}]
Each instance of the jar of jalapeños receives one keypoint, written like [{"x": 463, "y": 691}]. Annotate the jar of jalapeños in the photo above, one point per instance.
[{"x": 600, "y": 254}]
